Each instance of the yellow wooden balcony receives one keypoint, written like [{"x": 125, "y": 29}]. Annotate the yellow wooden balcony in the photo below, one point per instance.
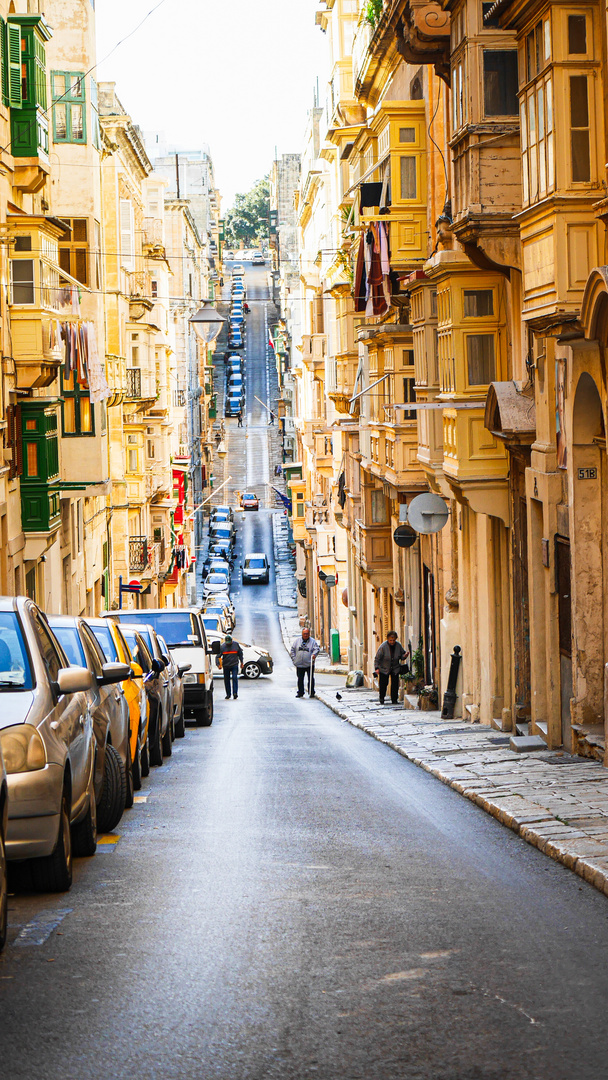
[{"x": 470, "y": 451}]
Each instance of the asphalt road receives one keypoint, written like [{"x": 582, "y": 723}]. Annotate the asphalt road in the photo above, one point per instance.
[{"x": 292, "y": 899}]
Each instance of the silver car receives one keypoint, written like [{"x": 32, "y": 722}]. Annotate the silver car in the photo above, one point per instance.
[
  {"x": 3, "y": 871},
  {"x": 110, "y": 712},
  {"x": 48, "y": 745},
  {"x": 176, "y": 673}
]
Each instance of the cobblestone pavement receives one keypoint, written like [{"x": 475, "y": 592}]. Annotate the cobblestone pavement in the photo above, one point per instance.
[{"x": 554, "y": 801}]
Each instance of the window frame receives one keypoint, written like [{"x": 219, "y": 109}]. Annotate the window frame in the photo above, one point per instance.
[
  {"x": 488, "y": 51},
  {"x": 69, "y": 99},
  {"x": 77, "y": 394}
]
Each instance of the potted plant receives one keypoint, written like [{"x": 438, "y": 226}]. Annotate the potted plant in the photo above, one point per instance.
[{"x": 428, "y": 698}]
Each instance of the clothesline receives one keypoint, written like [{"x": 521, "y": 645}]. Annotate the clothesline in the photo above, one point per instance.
[{"x": 82, "y": 358}]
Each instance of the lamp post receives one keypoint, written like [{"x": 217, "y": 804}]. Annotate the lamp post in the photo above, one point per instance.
[{"x": 207, "y": 324}]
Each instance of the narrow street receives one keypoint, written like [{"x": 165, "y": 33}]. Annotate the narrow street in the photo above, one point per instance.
[{"x": 289, "y": 898}]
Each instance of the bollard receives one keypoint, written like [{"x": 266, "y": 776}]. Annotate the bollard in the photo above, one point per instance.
[{"x": 449, "y": 698}]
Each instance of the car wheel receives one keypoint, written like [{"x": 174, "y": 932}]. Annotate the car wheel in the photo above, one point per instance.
[
  {"x": 130, "y": 785},
  {"x": 156, "y": 745},
  {"x": 167, "y": 741},
  {"x": 180, "y": 725},
  {"x": 84, "y": 834},
  {"x": 136, "y": 769},
  {"x": 252, "y": 670},
  {"x": 145, "y": 758},
  {"x": 112, "y": 802},
  {"x": 204, "y": 716},
  {"x": 3, "y": 893},
  {"x": 53, "y": 873}
]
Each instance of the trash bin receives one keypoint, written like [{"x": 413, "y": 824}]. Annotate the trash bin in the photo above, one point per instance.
[{"x": 334, "y": 637}]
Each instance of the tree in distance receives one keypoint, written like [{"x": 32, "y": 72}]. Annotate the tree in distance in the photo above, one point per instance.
[{"x": 247, "y": 220}]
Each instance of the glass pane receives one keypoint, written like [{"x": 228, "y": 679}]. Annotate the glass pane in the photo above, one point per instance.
[
  {"x": 64, "y": 259},
  {"x": 77, "y": 87},
  {"x": 541, "y": 112},
  {"x": 577, "y": 34},
  {"x": 23, "y": 243},
  {"x": 86, "y": 416},
  {"x": 523, "y": 126},
  {"x": 579, "y": 107},
  {"x": 407, "y": 134},
  {"x": 408, "y": 177},
  {"x": 68, "y": 383},
  {"x": 23, "y": 281},
  {"x": 61, "y": 124},
  {"x": 525, "y": 175},
  {"x": 480, "y": 357},
  {"x": 58, "y": 84},
  {"x": 32, "y": 458},
  {"x": 581, "y": 169},
  {"x": 69, "y": 417},
  {"x": 378, "y": 502},
  {"x": 549, "y": 92},
  {"x": 80, "y": 265},
  {"x": 542, "y": 168},
  {"x": 79, "y": 230},
  {"x": 478, "y": 303},
  {"x": 77, "y": 127},
  {"x": 530, "y": 56},
  {"x": 547, "y": 27},
  {"x": 500, "y": 82},
  {"x": 550, "y": 163}
]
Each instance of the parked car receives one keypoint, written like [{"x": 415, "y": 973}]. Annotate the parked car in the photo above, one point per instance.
[
  {"x": 216, "y": 582},
  {"x": 236, "y": 339},
  {"x": 235, "y": 381},
  {"x": 110, "y": 711},
  {"x": 249, "y": 501},
  {"x": 224, "y": 510},
  {"x": 176, "y": 672},
  {"x": 212, "y": 610},
  {"x": 258, "y": 259},
  {"x": 226, "y": 603},
  {"x": 229, "y": 254},
  {"x": 256, "y": 569},
  {"x": 220, "y": 514},
  {"x": 256, "y": 661},
  {"x": 234, "y": 366},
  {"x": 115, "y": 649},
  {"x": 223, "y": 530},
  {"x": 232, "y": 408},
  {"x": 184, "y": 633},
  {"x": 220, "y": 549},
  {"x": 3, "y": 860},
  {"x": 156, "y": 684},
  {"x": 48, "y": 746},
  {"x": 237, "y": 270},
  {"x": 215, "y": 624}
]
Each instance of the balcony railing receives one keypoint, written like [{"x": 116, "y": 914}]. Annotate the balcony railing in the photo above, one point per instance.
[
  {"x": 133, "y": 382},
  {"x": 138, "y": 553}
]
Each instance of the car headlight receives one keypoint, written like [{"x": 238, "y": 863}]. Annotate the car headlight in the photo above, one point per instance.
[
  {"x": 189, "y": 678},
  {"x": 22, "y": 749},
  {"x": 194, "y": 677}
]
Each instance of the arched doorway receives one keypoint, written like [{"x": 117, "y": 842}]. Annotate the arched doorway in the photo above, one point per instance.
[{"x": 582, "y": 597}]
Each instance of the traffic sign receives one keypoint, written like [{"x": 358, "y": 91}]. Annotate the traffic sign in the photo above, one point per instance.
[
  {"x": 404, "y": 536},
  {"x": 135, "y": 585},
  {"x": 427, "y": 513}
]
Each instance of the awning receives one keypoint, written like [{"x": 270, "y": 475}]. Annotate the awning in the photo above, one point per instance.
[{"x": 510, "y": 413}]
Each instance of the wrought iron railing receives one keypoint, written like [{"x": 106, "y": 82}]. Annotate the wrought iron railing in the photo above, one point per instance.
[
  {"x": 133, "y": 382},
  {"x": 138, "y": 553}
]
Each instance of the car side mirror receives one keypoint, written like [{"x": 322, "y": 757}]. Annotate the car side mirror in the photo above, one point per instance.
[
  {"x": 137, "y": 669},
  {"x": 157, "y": 666},
  {"x": 183, "y": 668},
  {"x": 114, "y": 673},
  {"x": 165, "y": 659},
  {"x": 215, "y": 648},
  {"x": 73, "y": 679}
]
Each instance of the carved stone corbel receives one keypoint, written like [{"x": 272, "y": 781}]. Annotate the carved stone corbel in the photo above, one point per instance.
[{"x": 423, "y": 36}]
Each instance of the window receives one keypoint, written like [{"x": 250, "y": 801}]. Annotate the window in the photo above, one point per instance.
[
  {"x": 378, "y": 508},
  {"x": 408, "y": 178},
  {"x": 537, "y": 49},
  {"x": 74, "y": 253},
  {"x": 577, "y": 34},
  {"x": 536, "y": 119},
  {"x": 489, "y": 24},
  {"x": 407, "y": 135},
  {"x": 480, "y": 359},
  {"x": 23, "y": 290},
  {"x": 155, "y": 290},
  {"x": 478, "y": 303},
  {"x": 579, "y": 130},
  {"x": 132, "y": 460},
  {"x": 500, "y": 82},
  {"x": 459, "y": 104},
  {"x": 409, "y": 395},
  {"x": 50, "y": 655},
  {"x": 389, "y": 450},
  {"x": 77, "y": 410},
  {"x": 69, "y": 102},
  {"x": 23, "y": 243},
  {"x": 97, "y": 255},
  {"x": 127, "y": 230},
  {"x": 95, "y": 116}
]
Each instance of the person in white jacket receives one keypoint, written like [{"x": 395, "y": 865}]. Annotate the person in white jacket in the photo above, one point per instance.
[{"x": 303, "y": 653}]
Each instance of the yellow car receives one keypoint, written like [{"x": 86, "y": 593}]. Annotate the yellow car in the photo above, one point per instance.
[{"x": 112, "y": 641}]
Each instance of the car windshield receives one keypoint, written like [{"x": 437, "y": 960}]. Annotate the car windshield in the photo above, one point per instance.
[
  {"x": 69, "y": 638},
  {"x": 15, "y": 672},
  {"x": 217, "y": 578},
  {"x": 177, "y": 627},
  {"x": 224, "y": 533},
  {"x": 255, "y": 564},
  {"x": 210, "y": 622},
  {"x": 105, "y": 639},
  {"x": 249, "y": 498}
]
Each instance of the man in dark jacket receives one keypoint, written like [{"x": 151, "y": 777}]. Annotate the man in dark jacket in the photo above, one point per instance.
[
  {"x": 303, "y": 652},
  {"x": 231, "y": 655},
  {"x": 389, "y": 658}
]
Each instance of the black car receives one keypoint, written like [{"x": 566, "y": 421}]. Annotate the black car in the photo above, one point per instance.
[{"x": 235, "y": 339}]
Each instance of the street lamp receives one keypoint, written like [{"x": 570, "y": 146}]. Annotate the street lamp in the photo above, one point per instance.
[
  {"x": 207, "y": 322},
  {"x": 221, "y": 450}
]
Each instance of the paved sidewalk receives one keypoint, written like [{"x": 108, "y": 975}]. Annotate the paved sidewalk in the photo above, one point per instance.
[{"x": 554, "y": 801}]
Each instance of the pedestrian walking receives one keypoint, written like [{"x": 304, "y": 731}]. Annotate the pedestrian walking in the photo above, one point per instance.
[
  {"x": 389, "y": 658},
  {"x": 239, "y": 417},
  {"x": 229, "y": 659},
  {"x": 271, "y": 421},
  {"x": 303, "y": 653}
]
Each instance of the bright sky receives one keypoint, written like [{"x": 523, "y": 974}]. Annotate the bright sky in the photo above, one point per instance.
[{"x": 236, "y": 74}]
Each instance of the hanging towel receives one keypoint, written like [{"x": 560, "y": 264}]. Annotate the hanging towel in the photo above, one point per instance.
[
  {"x": 359, "y": 289},
  {"x": 98, "y": 385}
]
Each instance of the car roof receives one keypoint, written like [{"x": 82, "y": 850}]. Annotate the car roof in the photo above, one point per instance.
[{"x": 255, "y": 555}]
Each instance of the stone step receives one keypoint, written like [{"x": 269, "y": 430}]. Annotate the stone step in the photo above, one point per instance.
[{"x": 524, "y": 744}]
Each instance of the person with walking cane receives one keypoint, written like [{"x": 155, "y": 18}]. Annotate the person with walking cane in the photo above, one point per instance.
[
  {"x": 303, "y": 653},
  {"x": 389, "y": 658}
]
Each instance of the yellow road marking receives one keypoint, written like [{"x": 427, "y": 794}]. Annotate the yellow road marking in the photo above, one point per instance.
[{"x": 108, "y": 838}]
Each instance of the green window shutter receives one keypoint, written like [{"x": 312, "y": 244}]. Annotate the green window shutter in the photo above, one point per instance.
[
  {"x": 40, "y": 72},
  {"x": 4, "y": 61},
  {"x": 14, "y": 65}
]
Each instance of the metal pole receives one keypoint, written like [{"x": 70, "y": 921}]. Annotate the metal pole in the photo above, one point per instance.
[
  {"x": 120, "y": 593},
  {"x": 449, "y": 698}
]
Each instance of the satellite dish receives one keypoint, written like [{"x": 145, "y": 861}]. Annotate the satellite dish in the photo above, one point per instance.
[
  {"x": 404, "y": 536},
  {"x": 428, "y": 513}
]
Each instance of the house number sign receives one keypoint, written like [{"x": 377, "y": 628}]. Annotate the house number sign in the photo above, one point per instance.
[{"x": 587, "y": 474}]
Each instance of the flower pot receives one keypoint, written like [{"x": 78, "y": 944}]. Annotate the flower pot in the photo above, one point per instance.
[{"x": 426, "y": 704}]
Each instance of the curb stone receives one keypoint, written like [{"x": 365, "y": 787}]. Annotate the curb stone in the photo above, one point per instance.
[{"x": 586, "y": 853}]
